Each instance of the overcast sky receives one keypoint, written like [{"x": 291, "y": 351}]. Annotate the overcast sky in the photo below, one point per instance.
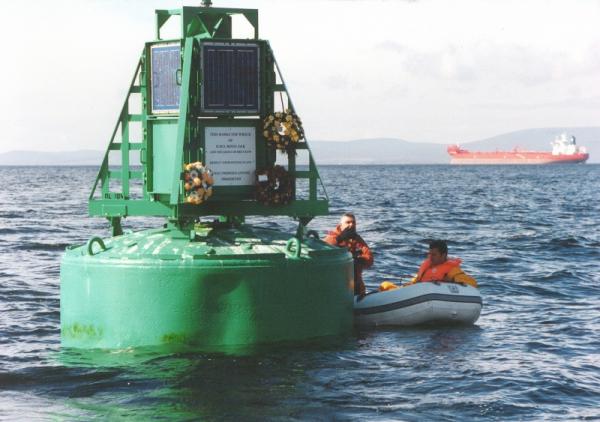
[{"x": 424, "y": 71}]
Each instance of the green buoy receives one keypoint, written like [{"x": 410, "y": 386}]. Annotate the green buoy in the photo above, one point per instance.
[{"x": 209, "y": 126}]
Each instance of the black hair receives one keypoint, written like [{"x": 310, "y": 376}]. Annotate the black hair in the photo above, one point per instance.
[
  {"x": 349, "y": 214},
  {"x": 440, "y": 245}
]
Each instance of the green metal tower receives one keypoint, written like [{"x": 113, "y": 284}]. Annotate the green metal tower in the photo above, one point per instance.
[{"x": 203, "y": 97}]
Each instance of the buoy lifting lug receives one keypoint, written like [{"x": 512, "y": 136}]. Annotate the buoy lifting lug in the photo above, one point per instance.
[
  {"x": 293, "y": 247},
  {"x": 90, "y": 244}
]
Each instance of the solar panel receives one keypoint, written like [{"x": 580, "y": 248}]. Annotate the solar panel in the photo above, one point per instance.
[
  {"x": 165, "y": 64},
  {"x": 230, "y": 78}
]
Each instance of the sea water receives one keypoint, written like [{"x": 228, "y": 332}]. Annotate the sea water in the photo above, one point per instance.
[{"x": 528, "y": 234}]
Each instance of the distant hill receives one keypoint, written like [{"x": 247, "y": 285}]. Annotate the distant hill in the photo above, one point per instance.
[
  {"x": 398, "y": 151},
  {"x": 378, "y": 151},
  {"x": 362, "y": 151}
]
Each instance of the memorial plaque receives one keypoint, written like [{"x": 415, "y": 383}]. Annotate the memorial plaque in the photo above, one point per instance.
[
  {"x": 231, "y": 155},
  {"x": 165, "y": 66},
  {"x": 230, "y": 78}
]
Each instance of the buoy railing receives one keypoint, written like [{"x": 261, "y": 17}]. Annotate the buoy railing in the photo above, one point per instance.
[{"x": 170, "y": 139}]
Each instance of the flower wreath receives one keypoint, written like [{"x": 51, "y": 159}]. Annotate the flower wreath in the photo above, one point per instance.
[
  {"x": 274, "y": 186},
  {"x": 283, "y": 129},
  {"x": 198, "y": 183}
]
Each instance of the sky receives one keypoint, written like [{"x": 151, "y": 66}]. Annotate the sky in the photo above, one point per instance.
[{"x": 420, "y": 70}]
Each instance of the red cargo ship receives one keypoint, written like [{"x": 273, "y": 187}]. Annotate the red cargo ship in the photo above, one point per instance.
[{"x": 564, "y": 150}]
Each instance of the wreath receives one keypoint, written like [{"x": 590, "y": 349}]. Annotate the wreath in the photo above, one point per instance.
[
  {"x": 198, "y": 183},
  {"x": 283, "y": 130},
  {"x": 274, "y": 186}
]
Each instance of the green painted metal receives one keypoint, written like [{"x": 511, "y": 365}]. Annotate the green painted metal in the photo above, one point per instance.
[
  {"x": 164, "y": 156},
  {"x": 211, "y": 285},
  {"x": 184, "y": 120},
  {"x": 226, "y": 287},
  {"x": 168, "y": 140}
]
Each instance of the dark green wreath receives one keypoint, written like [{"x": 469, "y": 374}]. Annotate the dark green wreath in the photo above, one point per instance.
[{"x": 274, "y": 186}]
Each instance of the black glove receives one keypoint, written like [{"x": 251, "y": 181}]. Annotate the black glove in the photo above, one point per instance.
[
  {"x": 358, "y": 259},
  {"x": 347, "y": 234}
]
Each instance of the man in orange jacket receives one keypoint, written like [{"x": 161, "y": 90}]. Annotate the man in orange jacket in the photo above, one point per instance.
[
  {"x": 345, "y": 236},
  {"x": 438, "y": 267}
]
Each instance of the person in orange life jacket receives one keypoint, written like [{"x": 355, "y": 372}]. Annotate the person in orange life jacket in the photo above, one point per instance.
[
  {"x": 345, "y": 236},
  {"x": 438, "y": 267}
]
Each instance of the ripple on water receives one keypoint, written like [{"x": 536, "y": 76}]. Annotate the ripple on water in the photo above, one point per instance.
[{"x": 533, "y": 355}]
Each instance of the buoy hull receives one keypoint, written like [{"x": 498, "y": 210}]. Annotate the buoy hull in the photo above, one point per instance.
[{"x": 208, "y": 302}]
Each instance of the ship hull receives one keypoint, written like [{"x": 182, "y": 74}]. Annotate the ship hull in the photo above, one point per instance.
[{"x": 516, "y": 158}]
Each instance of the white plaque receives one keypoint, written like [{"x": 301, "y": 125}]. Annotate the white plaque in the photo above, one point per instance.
[{"x": 231, "y": 154}]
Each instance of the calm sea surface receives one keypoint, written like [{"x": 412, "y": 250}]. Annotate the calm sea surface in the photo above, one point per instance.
[{"x": 530, "y": 235}]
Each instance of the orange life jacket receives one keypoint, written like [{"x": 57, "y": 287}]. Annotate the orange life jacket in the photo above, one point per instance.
[
  {"x": 354, "y": 246},
  {"x": 437, "y": 272}
]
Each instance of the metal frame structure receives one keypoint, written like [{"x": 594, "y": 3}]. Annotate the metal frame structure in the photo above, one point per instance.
[{"x": 168, "y": 140}]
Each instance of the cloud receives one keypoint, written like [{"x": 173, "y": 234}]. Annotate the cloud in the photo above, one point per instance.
[
  {"x": 570, "y": 102},
  {"x": 336, "y": 82},
  {"x": 491, "y": 61},
  {"x": 340, "y": 82},
  {"x": 450, "y": 63},
  {"x": 380, "y": 67}
]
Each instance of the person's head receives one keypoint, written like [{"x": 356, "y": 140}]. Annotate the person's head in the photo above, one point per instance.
[
  {"x": 347, "y": 220},
  {"x": 438, "y": 252}
]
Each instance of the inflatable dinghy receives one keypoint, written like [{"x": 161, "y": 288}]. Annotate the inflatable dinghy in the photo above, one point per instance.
[{"x": 420, "y": 303}]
